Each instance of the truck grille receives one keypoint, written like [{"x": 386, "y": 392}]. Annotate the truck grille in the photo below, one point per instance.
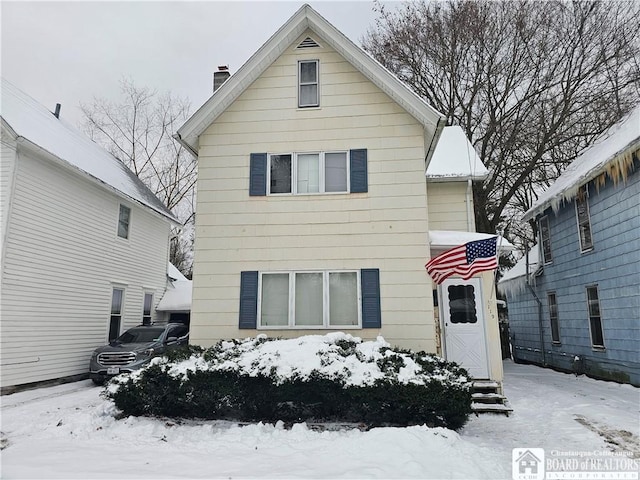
[{"x": 116, "y": 359}]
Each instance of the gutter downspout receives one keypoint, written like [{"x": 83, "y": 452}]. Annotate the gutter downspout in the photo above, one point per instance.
[{"x": 535, "y": 296}]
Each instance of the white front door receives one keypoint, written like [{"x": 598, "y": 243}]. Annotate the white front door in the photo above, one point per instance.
[{"x": 464, "y": 325}]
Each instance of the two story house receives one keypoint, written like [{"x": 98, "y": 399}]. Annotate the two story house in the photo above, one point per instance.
[
  {"x": 84, "y": 246},
  {"x": 313, "y": 209},
  {"x": 574, "y": 301}
]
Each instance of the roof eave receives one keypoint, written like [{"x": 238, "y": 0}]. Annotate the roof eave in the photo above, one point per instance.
[
  {"x": 456, "y": 178},
  {"x": 33, "y": 147},
  {"x": 547, "y": 202}
]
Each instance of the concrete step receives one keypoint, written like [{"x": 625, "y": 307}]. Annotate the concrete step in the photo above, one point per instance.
[{"x": 491, "y": 408}]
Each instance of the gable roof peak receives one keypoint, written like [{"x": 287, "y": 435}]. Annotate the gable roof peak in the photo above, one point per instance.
[{"x": 308, "y": 18}]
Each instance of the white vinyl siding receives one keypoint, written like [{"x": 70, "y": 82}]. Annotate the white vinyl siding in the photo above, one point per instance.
[
  {"x": 384, "y": 228},
  {"x": 61, "y": 262},
  {"x": 7, "y": 164}
]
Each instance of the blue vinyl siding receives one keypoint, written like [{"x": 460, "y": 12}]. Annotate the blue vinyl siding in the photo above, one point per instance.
[{"x": 613, "y": 265}]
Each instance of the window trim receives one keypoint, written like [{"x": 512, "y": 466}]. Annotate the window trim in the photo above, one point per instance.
[
  {"x": 594, "y": 346},
  {"x": 322, "y": 173},
  {"x": 325, "y": 301},
  {"x": 316, "y": 83},
  {"x": 552, "y": 317},
  {"x": 542, "y": 240},
  {"x": 584, "y": 194},
  {"x": 120, "y": 208}
]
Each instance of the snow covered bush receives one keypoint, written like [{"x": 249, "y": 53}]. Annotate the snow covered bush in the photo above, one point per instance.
[{"x": 334, "y": 377}]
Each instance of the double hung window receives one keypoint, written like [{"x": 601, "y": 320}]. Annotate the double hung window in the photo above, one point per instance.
[
  {"x": 117, "y": 298},
  {"x": 308, "y": 94},
  {"x": 584, "y": 223},
  {"x": 146, "y": 308},
  {"x": 553, "y": 317},
  {"x": 305, "y": 173},
  {"x": 595, "y": 320},
  {"x": 124, "y": 217},
  {"x": 545, "y": 240},
  {"x": 315, "y": 299}
]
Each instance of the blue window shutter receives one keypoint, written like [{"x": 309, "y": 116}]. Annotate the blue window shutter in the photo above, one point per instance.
[
  {"x": 370, "y": 285},
  {"x": 258, "y": 174},
  {"x": 358, "y": 166},
  {"x": 248, "y": 300}
]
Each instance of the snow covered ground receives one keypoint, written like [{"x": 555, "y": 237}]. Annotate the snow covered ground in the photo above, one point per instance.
[{"x": 69, "y": 431}]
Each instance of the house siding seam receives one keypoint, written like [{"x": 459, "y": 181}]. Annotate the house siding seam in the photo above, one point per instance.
[
  {"x": 384, "y": 228},
  {"x": 61, "y": 261},
  {"x": 613, "y": 266}
]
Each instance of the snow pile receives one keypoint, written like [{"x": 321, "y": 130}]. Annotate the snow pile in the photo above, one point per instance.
[{"x": 335, "y": 356}]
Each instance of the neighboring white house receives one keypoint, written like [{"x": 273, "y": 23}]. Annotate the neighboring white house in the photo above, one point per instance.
[
  {"x": 175, "y": 304},
  {"x": 84, "y": 245},
  {"x": 314, "y": 213}
]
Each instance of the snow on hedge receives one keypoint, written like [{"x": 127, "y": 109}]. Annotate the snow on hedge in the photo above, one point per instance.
[{"x": 337, "y": 356}]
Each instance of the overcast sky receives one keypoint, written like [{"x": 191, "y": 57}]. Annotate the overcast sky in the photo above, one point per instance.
[{"x": 69, "y": 52}]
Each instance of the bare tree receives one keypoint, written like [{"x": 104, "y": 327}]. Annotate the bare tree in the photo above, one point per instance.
[
  {"x": 531, "y": 83},
  {"x": 138, "y": 130}
]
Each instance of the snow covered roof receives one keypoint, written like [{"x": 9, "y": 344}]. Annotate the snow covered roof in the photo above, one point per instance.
[
  {"x": 177, "y": 297},
  {"x": 519, "y": 269},
  {"x": 454, "y": 158},
  {"x": 307, "y": 18},
  {"x": 34, "y": 125},
  {"x": 612, "y": 153},
  {"x": 174, "y": 274},
  {"x": 515, "y": 279},
  {"x": 449, "y": 238}
]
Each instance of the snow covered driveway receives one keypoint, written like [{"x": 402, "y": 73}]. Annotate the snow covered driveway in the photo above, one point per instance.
[{"x": 68, "y": 431}]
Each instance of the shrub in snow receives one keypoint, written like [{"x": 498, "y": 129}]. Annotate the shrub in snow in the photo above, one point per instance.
[{"x": 335, "y": 377}]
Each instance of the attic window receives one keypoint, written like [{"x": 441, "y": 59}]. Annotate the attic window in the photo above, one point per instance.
[{"x": 307, "y": 43}]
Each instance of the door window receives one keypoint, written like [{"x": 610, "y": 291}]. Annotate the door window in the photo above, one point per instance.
[{"x": 462, "y": 304}]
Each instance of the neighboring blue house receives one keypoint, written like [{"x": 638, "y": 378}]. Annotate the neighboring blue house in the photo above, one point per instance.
[{"x": 578, "y": 306}]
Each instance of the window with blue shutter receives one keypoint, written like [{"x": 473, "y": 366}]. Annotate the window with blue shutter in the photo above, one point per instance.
[
  {"x": 258, "y": 174},
  {"x": 248, "y": 300},
  {"x": 370, "y": 285},
  {"x": 359, "y": 181}
]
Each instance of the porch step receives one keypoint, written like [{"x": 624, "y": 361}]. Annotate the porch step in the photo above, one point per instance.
[
  {"x": 491, "y": 408},
  {"x": 486, "y": 399}
]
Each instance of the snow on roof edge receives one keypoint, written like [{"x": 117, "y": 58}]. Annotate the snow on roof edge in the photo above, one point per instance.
[
  {"x": 617, "y": 145},
  {"x": 35, "y": 127}
]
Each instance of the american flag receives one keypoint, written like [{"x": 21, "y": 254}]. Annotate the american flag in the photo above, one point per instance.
[{"x": 464, "y": 261}]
